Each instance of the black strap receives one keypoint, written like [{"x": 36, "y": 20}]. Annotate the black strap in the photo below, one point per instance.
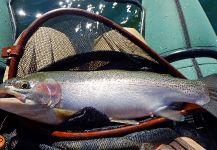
[{"x": 132, "y": 62}]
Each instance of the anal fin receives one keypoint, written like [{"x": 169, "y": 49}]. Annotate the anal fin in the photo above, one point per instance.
[
  {"x": 63, "y": 114},
  {"x": 167, "y": 112}
]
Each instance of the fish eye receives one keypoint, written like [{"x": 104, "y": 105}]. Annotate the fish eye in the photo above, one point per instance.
[{"x": 24, "y": 85}]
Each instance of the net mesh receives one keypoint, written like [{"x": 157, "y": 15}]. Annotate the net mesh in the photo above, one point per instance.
[
  {"x": 130, "y": 141},
  {"x": 69, "y": 35}
]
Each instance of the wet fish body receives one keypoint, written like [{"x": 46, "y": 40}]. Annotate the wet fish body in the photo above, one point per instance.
[
  {"x": 118, "y": 94},
  {"x": 126, "y": 94}
]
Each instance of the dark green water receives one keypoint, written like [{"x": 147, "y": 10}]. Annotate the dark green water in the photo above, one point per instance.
[
  {"x": 210, "y": 7},
  {"x": 125, "y": 14}
]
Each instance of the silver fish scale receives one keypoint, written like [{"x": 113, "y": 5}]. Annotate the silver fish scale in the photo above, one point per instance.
[
  {"x": 186, "y": 86},
  {"x": 114, "y": 92},
  {"x": 149, "y": 79}
]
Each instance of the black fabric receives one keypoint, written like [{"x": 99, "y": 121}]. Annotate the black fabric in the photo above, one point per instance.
[
  {"x": 113, "y": 60},
  {"x": 87, "y": 118},
  {"x": 90, "y": 119},
  {"x": 191, "y": 132}
]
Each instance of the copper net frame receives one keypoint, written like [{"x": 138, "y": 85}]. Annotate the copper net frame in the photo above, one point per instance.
[{"x": 14, "y": 53}]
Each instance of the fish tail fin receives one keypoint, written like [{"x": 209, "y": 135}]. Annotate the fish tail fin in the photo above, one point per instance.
[{"x": 211, "y": 84}]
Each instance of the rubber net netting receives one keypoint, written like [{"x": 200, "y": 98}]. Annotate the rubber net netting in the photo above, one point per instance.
[
  {"x": 146, "y": 139},
  {"x": 66, "y": 36}
]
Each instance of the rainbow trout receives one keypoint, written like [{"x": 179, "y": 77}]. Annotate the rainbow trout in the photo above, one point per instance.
[{"x": 51, "y": 97}]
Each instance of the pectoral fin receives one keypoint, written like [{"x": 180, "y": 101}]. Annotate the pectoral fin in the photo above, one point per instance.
[
  {"x": 167, "y": 112},
  {"x": 124, "y": 121},
  {"x": 63, "y": 114}
]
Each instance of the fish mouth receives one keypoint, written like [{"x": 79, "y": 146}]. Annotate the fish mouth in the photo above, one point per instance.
[
  {"x": 46, "y": 93},
  {"x": 11, "y": 92}
]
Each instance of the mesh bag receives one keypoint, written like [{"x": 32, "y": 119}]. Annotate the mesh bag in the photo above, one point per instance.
[
  {"x": 65, "y": 34},
  {"x": 68, "y": 35}
]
